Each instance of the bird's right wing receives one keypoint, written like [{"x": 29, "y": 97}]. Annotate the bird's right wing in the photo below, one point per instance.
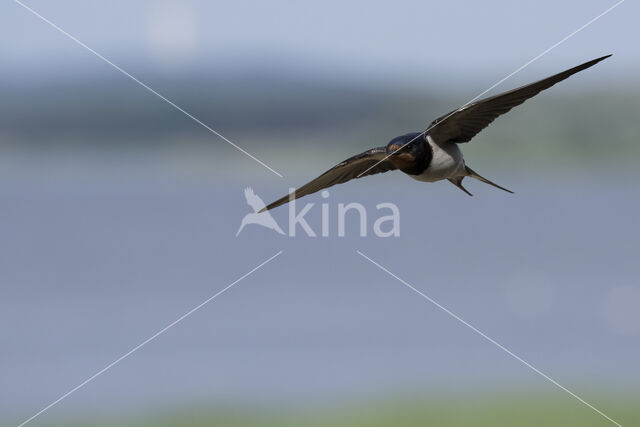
[
  {"x": 463, "y": 124},
  {"x": 368, "y": 163}
]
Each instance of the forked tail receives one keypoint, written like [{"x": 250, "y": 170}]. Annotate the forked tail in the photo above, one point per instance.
[{"x": 475, "y": 175}]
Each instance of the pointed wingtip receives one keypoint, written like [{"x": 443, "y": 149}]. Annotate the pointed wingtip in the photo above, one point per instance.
[
  {"x": 588, "y": 64},
  {"x": 602, "y": 58}
]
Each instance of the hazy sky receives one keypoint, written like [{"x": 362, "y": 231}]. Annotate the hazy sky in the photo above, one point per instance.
[{"x": 358, "y": 39}]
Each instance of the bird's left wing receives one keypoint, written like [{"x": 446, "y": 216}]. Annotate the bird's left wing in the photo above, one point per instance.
[
  {"x": 463, "y": 124},
  {"x": 368, "y": 163}
]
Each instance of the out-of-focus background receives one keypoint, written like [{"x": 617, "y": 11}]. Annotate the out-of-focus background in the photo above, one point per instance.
[{"x": 119, "y": 214}]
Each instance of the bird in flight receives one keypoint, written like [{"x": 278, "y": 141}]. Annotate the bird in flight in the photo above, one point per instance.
[{"x": 433, "y": 155}]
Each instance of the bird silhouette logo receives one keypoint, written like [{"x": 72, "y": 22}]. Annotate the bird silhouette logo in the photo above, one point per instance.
[{"x": 264, "y": 219}]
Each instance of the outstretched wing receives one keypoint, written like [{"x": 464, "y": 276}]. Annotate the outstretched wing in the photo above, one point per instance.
[
  {"x": 368, "y": 163},
  {"x": 253, "y": 199},
  {"x": 463, "y": 124}
]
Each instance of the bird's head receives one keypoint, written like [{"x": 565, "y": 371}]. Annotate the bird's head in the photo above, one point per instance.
[{"x": 408, "y": 152}]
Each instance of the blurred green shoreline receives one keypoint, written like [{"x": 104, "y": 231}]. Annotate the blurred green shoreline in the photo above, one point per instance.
[
  {"x": 297, "y": 124},
  {"x": 292, "y": 122},
  {"x": 552, "y": 407}
]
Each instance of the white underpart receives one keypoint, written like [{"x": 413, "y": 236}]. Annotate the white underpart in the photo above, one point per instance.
[{"x": 447, "y": 162}]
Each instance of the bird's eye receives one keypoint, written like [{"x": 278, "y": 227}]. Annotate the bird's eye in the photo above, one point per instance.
[{"x": 409, "y": 146}]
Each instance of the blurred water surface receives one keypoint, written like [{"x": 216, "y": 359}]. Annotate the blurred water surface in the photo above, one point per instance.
[{"x": 92, "y": 263}]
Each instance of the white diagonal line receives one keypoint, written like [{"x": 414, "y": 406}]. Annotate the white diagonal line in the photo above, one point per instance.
[
  {"x": 517, "y": 70},
  {"x": 488, "y": 338},
  {"x": 210, "y": 129},
  {"x": 541, "y": 54},
  {"x": 143, "y": 343}
]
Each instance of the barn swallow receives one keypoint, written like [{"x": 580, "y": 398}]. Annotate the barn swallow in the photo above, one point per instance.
[{"x": 434, "y": 154}]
